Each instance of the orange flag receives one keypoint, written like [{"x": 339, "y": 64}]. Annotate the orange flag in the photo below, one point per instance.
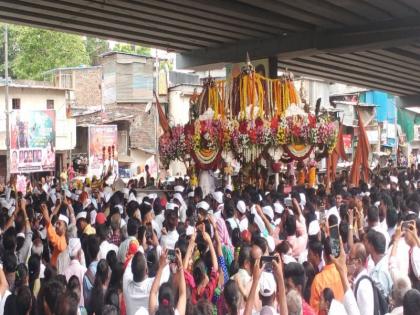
[
  {"x": 360, "y": 167},
  {"x": 162, "y": 117},
  {"x": 332, "y": 159}
]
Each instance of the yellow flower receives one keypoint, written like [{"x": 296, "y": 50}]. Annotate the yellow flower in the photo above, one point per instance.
[{"x": 281, "y": 136}]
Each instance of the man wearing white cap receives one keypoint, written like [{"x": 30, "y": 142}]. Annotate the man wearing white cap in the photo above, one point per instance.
[
  {"x": 75, "y": 268},
  {"x": 240, "y": 215},
  {"x": 218, "y": 207},
  {"x": 57, "y": 236},
  {"x": 182, "y": 206},
  {"x": 217, "y": 204},
  {"x": 268, "y": 283},
  {"x": 179, "y": 189},
  {"x": 203, "y": 209},
  {"x": 82, "y": 224},
  {"x": 267, "y": 292}
]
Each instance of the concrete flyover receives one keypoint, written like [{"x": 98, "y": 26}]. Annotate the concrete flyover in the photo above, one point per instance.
[{"x": 370, "y": 43}]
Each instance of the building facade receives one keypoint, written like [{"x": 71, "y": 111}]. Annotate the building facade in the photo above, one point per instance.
[
  {"x": 33, "y": 96},
  {"x": 119, "y": 92}
]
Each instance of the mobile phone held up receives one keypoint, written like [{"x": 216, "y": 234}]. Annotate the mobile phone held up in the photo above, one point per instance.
[
  {"x": 335, "y": 240},
  {"x": 288, "y": 202},
  {"x": 267, "y": 262},
  {"x": 171, "y": 255},
  {"x": 407, "y": 225}
]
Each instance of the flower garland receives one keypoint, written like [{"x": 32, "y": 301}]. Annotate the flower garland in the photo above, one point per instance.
[
  {"x": 207, "y": 143},
  {"x": 174, "y": 145},
  {"x": 247, "y": 139}
]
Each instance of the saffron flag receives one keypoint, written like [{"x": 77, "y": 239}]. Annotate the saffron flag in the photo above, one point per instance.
[
  {"x": 162, "y": 117},
  {"x": 360, "y": 167},
  {"x": 332, "y": 159}
]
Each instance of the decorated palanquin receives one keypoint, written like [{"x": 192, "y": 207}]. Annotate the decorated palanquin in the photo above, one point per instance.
[{"x": 245, "y": 119}]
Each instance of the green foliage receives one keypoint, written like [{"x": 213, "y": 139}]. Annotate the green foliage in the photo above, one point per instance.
[
  {"x": 39, "y": 50},
  {"x": 94, "y": 48},
  {"x": 32, "y": 51},
  {"x": 132, "y": 49}
]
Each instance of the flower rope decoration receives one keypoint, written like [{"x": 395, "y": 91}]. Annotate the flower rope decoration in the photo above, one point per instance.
[{"x": 207, "y": 143}]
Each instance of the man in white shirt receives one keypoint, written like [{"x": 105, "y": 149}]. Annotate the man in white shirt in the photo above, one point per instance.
[
  {"x": 137, "y": 284},
  {"x": 362, "y": 286},
  {"x": 373, "y": 222},
  {"x": 380, "y": 274},
  {"x": 102, "y": 231},
  {"x": 169, "y": 233},
  {"x": 75, "y": 268}
]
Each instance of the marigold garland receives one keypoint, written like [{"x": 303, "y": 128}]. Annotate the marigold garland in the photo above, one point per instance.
[{"x": 236, "y": 125}]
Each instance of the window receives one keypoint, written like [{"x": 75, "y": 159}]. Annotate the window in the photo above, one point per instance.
[
  {"x": 15, "y": 103},
  {"x": 50, "y": 104}
]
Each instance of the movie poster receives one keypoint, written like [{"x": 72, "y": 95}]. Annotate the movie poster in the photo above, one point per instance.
[
  {"x": 103, "y": 153},
  {"x": 32, "y": 141}
]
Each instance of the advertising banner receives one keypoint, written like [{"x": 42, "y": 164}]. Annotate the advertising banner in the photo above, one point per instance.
[
  {"x": 32, "y": 141},
  {"x": 347, "y": 140},
  {"x": 103, "y": 153}
]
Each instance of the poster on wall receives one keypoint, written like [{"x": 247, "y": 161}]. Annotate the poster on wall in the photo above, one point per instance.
[
  {"x": 103, "y": 153},
  {"x": 32, "y": 141}
]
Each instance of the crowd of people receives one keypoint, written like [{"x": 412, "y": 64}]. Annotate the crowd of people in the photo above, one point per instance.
[{"x": 291, "y": 250}]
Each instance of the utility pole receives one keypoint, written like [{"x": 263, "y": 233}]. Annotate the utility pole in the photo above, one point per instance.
[
  {"x": 6, "y": 100},
  {"x": 157, "y": 118}
]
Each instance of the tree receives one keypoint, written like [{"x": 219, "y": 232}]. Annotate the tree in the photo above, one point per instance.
[
  {"x": 39, "y": 50},
  {"x": 132, "y": 49},
  {"x": 94, "y": 48}
]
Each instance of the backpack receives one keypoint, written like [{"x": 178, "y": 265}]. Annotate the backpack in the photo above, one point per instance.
[{"x": 380, "y": 300}]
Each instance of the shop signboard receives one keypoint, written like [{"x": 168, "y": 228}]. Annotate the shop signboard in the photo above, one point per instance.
[
  {"x": 103, "y": 153},
  {"x": 32, "y": 141}
]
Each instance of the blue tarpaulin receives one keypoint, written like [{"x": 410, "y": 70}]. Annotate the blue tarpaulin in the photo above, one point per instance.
[{"x": 385, "y": 110}]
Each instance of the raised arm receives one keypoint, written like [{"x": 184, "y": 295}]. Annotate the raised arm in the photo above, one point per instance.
[
  {"x": 182, "y": 296},
  {"x": 56, "y": 241},
  {"x": 281, "y": 290},
  {"x": 350, "y": 240},
  {"x": 23, "y": 252},
  {"x": 156, "y": 283},
  {"x": 296, "y": 208},
  {"x": 349, "y": 302},
  {"x": 70, "y": 209},
  {"x": 397, "y": 237},
  {"x": 56, "y": 207},
  {"x": 264, "y": 218},
  {"x": 190, "y": 251},
  {"x": 219, "y": 251},
  {"x": 256, "y": 274},
  {"x": 10, "y": 221},
  {"x": 209, "y": 242}
]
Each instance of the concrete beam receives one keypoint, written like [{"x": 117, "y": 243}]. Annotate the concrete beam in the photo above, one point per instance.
[{"x": 286, "y": 46}]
